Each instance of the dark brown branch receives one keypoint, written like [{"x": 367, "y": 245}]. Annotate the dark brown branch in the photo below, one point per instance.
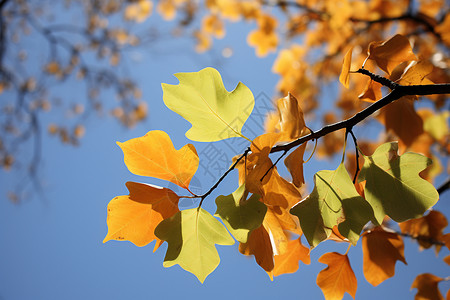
[
  {"x": 443, "y": 187},
  {"x": 395, "y": 94}
]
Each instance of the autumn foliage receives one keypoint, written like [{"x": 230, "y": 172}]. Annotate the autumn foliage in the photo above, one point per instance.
[
  {"x": 385, "y": 53},
  {"x": 268, "y": 214}
]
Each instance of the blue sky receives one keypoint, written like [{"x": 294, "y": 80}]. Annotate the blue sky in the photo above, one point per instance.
[{"x": 52, "y": 248}]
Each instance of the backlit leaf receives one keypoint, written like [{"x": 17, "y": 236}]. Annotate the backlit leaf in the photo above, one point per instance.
[
  {"x": 394, "y": 187},
  {"x": 153, "y": 155},
  {"x": 381, "y": 249},
  {"x": 294, "y": 164},
  {"x": 338, "y": 278},
  {"x": 344, "y": 78},
  {"x": 191, "y": 235},
  {"x": 292, "y": 122},
  {"x": 391, "y": 53},
  {"x": 279, "y": 223},
  {"x": 427, "y": 287},
  {"x": 239, "y": 214},
  {"x": 401, "y": 118},
  {"x": 334, "y": 200},
  {"x": 215, "y": 113},
  {"x": 135, "y": 217},
  {"x": 288, "y": 262}
]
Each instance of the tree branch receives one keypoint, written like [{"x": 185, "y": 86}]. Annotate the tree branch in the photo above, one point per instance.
[{"x": 397, "y": 92}]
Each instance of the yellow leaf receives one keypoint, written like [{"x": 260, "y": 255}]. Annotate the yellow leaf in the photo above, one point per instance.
[
  {"x": 135, "y": 217},
  {"x": 138, "y": 11},
  {"x": 154, "y": 155},
  {"x": 391, "y": 53},
  {"x": 344, "y": 78},
  {"x": 338, "y": 278},
  {"x": 213, "y": 25},
  {"x": 381, "y": 249},
  {"x": 264, "y": 39}
]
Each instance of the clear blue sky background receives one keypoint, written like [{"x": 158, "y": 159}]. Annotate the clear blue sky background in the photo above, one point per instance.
[{"x": 52, "y": 248}]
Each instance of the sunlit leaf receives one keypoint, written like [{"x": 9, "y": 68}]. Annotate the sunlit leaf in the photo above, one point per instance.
[
  {"x": 344, "y": 78},
  {"x": 294, "y": 164},
  {"x": 215, "y": 113},
  {"x": 135, "y": 217},
  {"x": 394, "y": 187},
  {"x": 381, "y": 249},
  {"x": 338, "y": 278},
  {"x": 153, "y": 155},
  {"x": 288, "y": 262},
  {"x": 239, "y": 214},
  {"x": 191, "y": 235},
  {"x": 392, "y": 52},
  {"x": 292, "y": 122}
]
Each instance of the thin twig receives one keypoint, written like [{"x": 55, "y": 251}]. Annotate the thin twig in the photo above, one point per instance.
[{"x": 223, "y": 177}]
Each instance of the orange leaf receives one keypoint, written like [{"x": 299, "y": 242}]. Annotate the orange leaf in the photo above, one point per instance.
[
  {"x": 427, "y": 287},
  {"x": 344, "y": 78},
  {"x": 401, "y": 117},
  {"x": 429, "y": 228},
  {"x": 135, "y": 217},
  {"x": 372, "y": 91},
  {"x": 294, "y": 163},
  {"x": 392, "y": 52},
  {"x": 288, "y": 262},
  {"x": 415, "y": 73},
  {"x": 292, "y": 123},
  {"x": 381, "y": 249},
  {"x": 278, "y": 222},
  {"x": 338, "y": 277},
  {"x": 259, "y": 245},
  {"x": 154, "y": 155}
]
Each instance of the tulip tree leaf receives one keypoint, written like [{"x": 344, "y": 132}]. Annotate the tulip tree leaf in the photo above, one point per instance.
[
  {"x": 333, "y": 201},
  {"x": 215, "y": 113},
  {"x": 191, "y": 235},
  {"x": 241, "y": 216},
  {"x": 393, "y": 185}
]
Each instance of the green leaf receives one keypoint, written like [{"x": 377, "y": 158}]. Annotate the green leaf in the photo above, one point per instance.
[
  {"x": 191, "y": 235},
  {"x": 241, "y": 216},
  {"x": 215, "y": 113},
  {"x": 334, "y": 200},
  {"x": 394, "y": 187}
]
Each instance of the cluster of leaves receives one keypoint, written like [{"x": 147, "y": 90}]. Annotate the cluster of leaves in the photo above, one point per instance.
[
  {"x": 267, "y": 213},
  {"x": 296, "y": 30}
]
